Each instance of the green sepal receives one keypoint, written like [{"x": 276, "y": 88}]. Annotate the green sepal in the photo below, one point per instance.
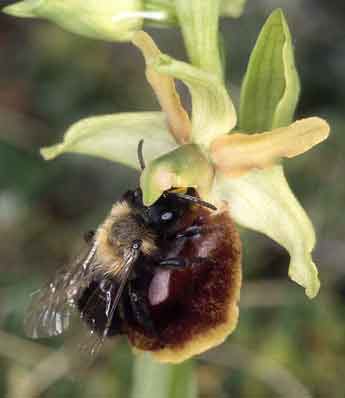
[
  {"x": 116, "y": 137},
  {"x": 270, "y": 89},
  {"x": 262, "y": 201},
  {"x": 183, "y": 167}
]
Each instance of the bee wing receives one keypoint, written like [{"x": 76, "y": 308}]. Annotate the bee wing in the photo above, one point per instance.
[
  {"x": 51, "y": 308},
  {"x": 129, "y": 261},
  {"x": 93, "y": 342}
]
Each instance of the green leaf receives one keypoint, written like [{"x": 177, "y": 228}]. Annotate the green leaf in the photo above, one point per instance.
[
  {"x": 106, "y": 20},
  {"x": 271, "y": 87},
  {"x": 199, "y": 24},
  {"x": 115, "y": 137},
  {"x": 262, "y": 201},
  {"x": 185, "y": 166},
  {"x": 155, "y": 380},
  {"x": 213, "y": 112}
]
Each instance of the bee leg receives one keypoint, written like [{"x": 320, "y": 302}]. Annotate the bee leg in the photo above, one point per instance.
[
  {"x": 174, "y": 263},
  {"x": 190, "y": 232},
  {"x": 194, "y": 230},
  {"x": 183, "y": 262},
  {"x": 140, "y": 309}
]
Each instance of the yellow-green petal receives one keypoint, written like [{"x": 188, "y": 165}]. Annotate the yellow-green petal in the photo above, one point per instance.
[
  {"x": 262, "y": 201},
  {"x": 116, "y": 137},
  {"x": 213, "y": 112},
  {"x": 270, "y": 89},
  {"x": 100, "y": 19},
  {"x": 183, "y": 167}
]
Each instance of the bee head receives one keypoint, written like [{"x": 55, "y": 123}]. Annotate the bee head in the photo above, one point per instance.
[{"x": 165, "y": 212}]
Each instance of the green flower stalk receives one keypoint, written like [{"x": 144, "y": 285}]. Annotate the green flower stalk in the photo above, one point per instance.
[{"x": 234, "y": 164}]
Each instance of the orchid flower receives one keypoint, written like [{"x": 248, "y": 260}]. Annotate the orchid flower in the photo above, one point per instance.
[{"x": 233, "y": 163}]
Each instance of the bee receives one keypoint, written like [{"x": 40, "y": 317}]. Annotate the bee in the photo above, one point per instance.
[{"x": 162, "y": 275}]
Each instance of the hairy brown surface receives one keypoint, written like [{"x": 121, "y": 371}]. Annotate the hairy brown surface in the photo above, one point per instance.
[{"x": 201, "y": 307}]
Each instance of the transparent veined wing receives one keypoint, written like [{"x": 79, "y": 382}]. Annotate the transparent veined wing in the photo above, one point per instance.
[
  {"x": 99, "y": 308},
  {"x": 51, "y": 308}
]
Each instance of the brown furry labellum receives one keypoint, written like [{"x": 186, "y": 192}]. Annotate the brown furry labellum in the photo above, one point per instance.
[{"x": 194, "y": 308}]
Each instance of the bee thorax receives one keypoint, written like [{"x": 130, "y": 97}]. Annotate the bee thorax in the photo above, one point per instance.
[{"x": 116, "y": 235}]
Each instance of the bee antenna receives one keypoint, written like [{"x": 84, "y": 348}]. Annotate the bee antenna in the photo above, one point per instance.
[
  {"x": 140, "y": 154},
  {"x": 194, "y": 199}
]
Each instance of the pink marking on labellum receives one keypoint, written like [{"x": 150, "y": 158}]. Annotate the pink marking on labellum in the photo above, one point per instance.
[{"x": 159, "y": 287}]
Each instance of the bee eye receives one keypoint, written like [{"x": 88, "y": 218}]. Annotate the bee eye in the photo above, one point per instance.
[{"x": 167, "y": 216}]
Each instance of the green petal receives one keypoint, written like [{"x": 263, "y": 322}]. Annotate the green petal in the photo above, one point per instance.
[
  {"x": 213, "y": 112},
  {"x": 263, "y": 201},
  {"x": 105, "y": 20},
  {"x": 156, "y": 380},
  {"x": 183, "y": 167},
  {"x": 271, "y": 87},
  {"x": 199, "y": 24},
  {"x": 116, "y": 137}
]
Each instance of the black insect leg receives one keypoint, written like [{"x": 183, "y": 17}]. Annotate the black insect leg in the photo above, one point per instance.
[
  {"x": 174, "y": 263},
  {"x": 182, "y": 262},
  {"x": 140, "y": 308},
  {"x": 190, "y": 232},
  {"x": 194, "y": 230}
]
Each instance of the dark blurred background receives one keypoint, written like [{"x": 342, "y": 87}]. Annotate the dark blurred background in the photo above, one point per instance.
[{"x": 285, "y": 344}]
